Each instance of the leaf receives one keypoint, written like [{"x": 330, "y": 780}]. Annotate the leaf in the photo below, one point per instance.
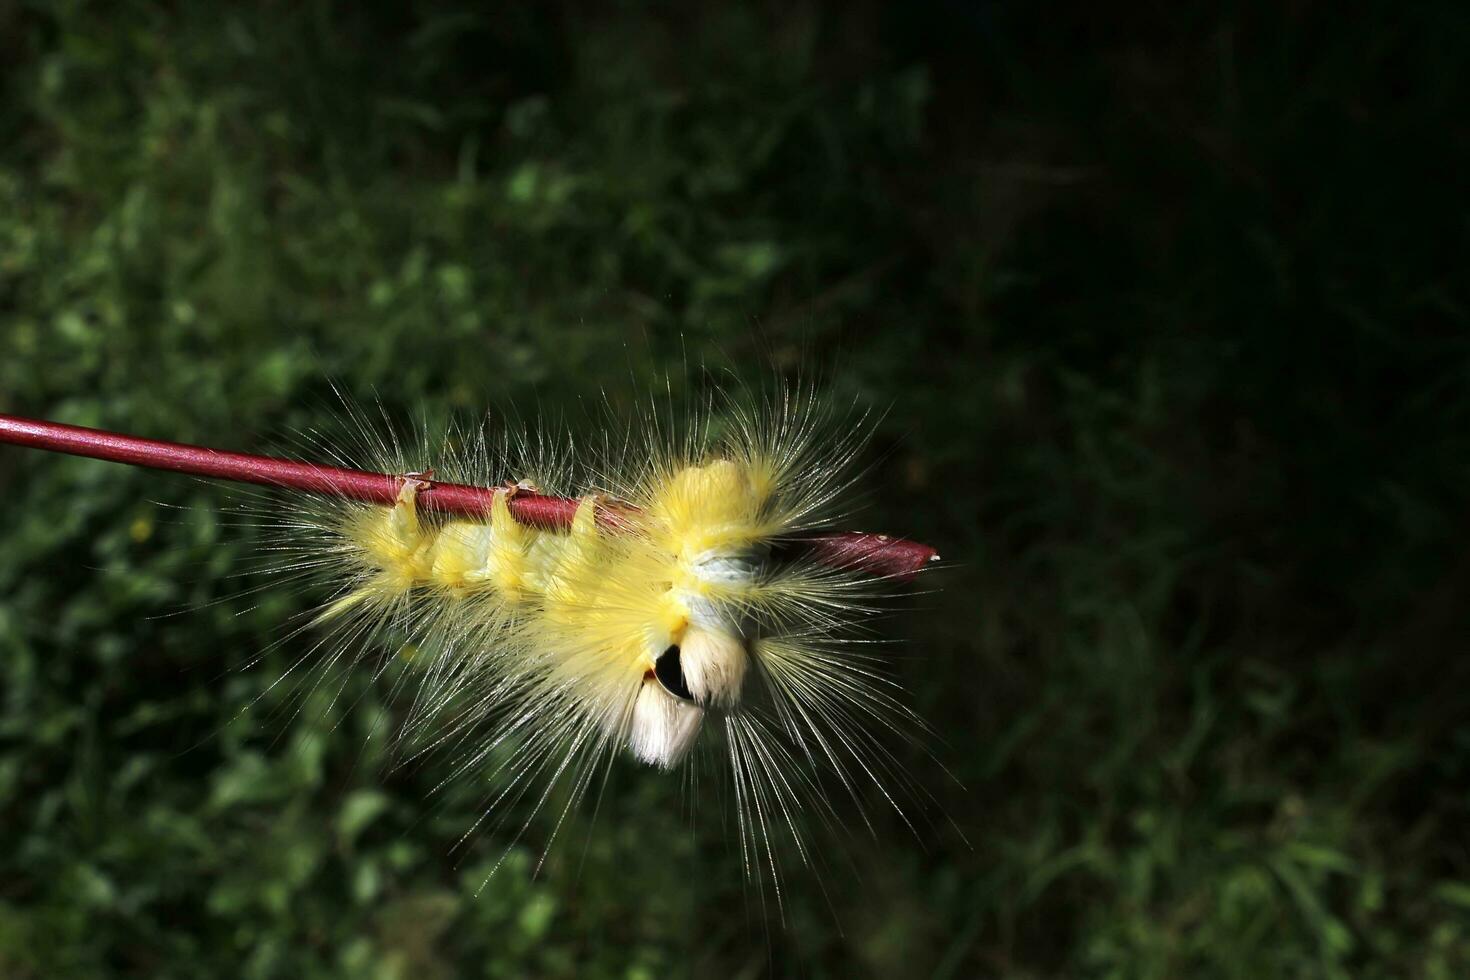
[{"x": 358, "y": 811}]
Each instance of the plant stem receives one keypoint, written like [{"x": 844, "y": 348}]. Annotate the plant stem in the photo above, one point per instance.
[{"x": 877, "y": 554}]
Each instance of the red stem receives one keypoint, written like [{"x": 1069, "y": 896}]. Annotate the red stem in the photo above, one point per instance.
[{"x": 877, "y": 554}]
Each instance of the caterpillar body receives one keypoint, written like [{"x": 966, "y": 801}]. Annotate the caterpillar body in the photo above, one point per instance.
[
  {"x": 539, "y": 655},
  {"x": 641, "y": 660}
]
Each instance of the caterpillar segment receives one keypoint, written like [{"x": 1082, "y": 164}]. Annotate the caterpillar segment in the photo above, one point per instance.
[{"x": 644, "y": 629}]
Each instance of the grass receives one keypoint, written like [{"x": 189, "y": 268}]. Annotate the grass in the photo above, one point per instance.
[{"x": 1169, "y": 314}]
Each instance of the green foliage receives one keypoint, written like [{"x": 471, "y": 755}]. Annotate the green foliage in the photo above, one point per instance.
[{"x": 1170, "y": 314}]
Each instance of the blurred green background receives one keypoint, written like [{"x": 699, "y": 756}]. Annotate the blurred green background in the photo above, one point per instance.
[{"x": 1167, "y": 309}]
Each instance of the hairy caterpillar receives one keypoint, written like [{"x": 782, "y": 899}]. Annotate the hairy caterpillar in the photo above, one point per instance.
[{"x": 674, "y": 603}]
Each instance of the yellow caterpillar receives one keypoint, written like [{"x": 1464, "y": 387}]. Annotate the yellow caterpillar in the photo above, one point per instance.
[
  {"x": 642, "y": 629},
  {"x": 547, "y": 652}
]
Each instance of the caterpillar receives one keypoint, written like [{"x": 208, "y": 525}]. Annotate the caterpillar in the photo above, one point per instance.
[{"x": 689, "y": 590}]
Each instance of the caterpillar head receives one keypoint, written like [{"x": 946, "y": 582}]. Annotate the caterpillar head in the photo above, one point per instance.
[
  {"x": 705, "y": 519},
  {"x": 704, "y": 669}
]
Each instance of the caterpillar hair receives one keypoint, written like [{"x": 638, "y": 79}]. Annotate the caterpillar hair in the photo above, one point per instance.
[{"x": 566, "y": 607}]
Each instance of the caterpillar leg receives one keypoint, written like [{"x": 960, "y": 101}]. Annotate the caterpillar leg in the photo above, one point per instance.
[{"x": 392, "y": 548}]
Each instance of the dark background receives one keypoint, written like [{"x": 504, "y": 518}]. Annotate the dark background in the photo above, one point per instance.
[{"x": 1167, "y": 309}]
